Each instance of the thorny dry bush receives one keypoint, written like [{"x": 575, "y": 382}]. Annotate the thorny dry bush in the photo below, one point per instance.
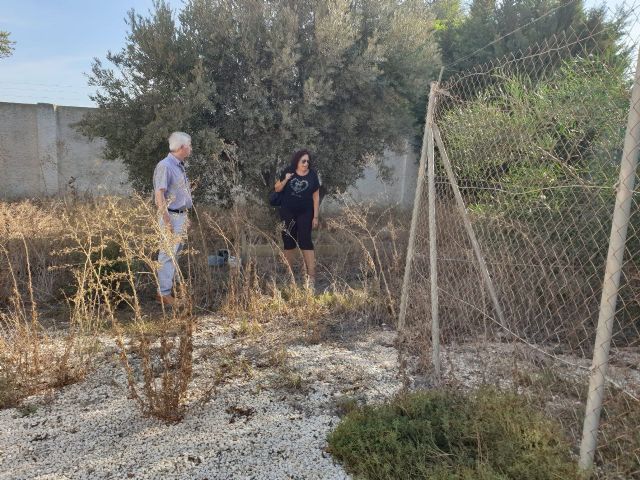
[
  {"x": 99, "y": 256},
  {"x": 115, "y": 263}
]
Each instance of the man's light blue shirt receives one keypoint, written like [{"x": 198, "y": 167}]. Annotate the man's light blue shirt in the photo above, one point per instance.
[{"x": 171, "y": 176}]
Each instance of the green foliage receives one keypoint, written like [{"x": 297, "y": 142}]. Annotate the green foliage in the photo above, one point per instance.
[
  {"x": 253, "y": 81},
  {"x": 513, "y": 26},
  {"x": 448, "y": 435},
  {"x": 541, "y": 152},
  {"x": 9, "y": 390},
  {"x": 548, "y": 127},
  {"x": 6, "y": 45},
  {"x": 538, "y": 163}
]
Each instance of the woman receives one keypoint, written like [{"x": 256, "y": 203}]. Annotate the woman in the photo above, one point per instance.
[{"x": 300, "y": 187}]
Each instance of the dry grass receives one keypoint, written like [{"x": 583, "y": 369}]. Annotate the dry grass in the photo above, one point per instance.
[
  {"x": 38, "y": 225},
  {"x": 115, "y": 248},
  {"x": 31, "y": 358},
  {"x": 97, "y": 259}
]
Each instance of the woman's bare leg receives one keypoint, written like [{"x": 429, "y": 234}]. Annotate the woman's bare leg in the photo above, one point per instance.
[
  {"x": 290, "y": 256},
  {"x": 310, "y": 262}
]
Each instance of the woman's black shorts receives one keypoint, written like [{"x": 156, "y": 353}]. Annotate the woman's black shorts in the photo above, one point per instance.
[{"x": 297, "y": 228}]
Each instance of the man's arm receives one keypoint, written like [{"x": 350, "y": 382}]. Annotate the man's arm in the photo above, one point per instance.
[{"x": 161, "y": 203}]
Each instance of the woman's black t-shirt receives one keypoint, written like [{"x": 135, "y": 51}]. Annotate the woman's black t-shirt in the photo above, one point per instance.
[{"x": 298, "y": 192}]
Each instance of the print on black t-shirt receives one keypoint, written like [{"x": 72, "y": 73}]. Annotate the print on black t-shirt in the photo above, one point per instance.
[
  {"x": 298, "y": 186},
  {"x": 298, "y": 192}
]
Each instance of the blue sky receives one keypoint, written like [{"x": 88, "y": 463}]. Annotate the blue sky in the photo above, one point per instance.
[
  {"x": 55, "y": 44},
  {"x": 57, "y": 40}
]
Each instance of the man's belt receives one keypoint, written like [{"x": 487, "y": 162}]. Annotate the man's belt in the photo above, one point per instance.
[{"x": 179, "y": 210}]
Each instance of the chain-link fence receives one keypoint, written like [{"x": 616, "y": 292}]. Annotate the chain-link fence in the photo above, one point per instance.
[{"x": 525, "y": 206}]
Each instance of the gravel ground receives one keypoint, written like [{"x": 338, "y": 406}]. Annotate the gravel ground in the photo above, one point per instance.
[
  {"x": 267, "y": 420},
  {"x": 261, "y": 425}
]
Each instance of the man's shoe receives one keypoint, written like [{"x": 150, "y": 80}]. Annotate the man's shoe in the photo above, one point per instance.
[{"x": 166, "y": 299}]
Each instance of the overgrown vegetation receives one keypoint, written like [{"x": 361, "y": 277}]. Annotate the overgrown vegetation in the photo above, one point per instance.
[
  {"x": 450, "y": 435},
  {"x": 32, "y": 357},
  {"x": 514, "y": 26},
  {"x": 116, "y": 247},
  {"x": 253, "y": 81},
  {"x": 80, "y": 260},
  {"x": 560, "y": 139},
  {"x": 99, "y": 257},
  {"x": 538, "y": 177}
]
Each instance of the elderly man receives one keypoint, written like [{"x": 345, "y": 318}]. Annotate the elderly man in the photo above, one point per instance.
[{"x": 172, "y": 195}]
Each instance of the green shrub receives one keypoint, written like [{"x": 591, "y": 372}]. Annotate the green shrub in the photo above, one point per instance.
[
  {"x": 9, "y": 392},
  {"x": 111, "y": 273},
  {"x": 448, "y": 435}
]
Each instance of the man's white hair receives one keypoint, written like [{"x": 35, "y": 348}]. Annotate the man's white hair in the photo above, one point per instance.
[{"x": 177, "y": 140}]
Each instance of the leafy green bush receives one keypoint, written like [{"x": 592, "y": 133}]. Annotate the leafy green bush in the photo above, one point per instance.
[
  {"x": 540, "y": 145},
  {"x": 448, "y": 435},
  {"x": 9, "y": 391}
]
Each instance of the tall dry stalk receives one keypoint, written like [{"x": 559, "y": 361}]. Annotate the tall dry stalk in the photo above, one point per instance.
[
  {"x": 378, "y": 234},
  {"x": 31, "y": 358},
  {"x": 116, "y": 250}
]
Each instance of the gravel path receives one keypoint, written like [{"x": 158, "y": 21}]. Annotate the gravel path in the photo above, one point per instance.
[{"x": 267, "y": 424}]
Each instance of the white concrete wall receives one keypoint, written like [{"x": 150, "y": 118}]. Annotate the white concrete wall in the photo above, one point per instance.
[
  {"x": 80, "y": 161},
  {"x": 399, "y": 189},
  {"x": 42, "y": 154},
  {"x": 22, "y": 173}
]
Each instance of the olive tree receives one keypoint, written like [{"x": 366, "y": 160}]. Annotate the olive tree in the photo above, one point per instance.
[{"x": 254, "y": 80}]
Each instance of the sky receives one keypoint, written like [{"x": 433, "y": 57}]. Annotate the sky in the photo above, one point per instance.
[{"x": 56, "y": 41}]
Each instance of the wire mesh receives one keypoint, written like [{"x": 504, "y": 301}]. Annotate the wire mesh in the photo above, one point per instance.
[{"x": 535, "y": 143}]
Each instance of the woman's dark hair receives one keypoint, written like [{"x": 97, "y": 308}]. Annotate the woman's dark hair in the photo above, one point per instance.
[{"x": 295, "y": 158}]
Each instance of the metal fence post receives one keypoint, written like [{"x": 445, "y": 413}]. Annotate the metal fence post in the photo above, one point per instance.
[
  {"x": 433, "y": 251},
  {"x": 404, "y": 296},
  {"x": 611, "y": 283}
]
